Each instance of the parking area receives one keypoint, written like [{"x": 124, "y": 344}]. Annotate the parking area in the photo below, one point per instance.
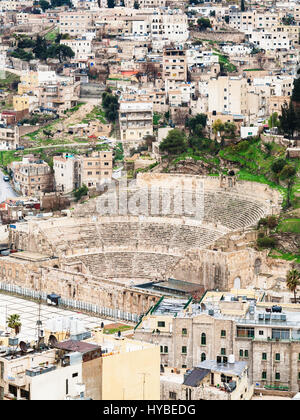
[{"x": 29, "y": 313}]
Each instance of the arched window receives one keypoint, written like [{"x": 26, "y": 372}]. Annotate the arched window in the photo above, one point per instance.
[
  {"x": 203, "y": 339},
  {"x": 203, "y": 357}
]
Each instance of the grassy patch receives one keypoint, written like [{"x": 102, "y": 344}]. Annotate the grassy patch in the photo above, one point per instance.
[
  {"x": 284, "y": 256},
  {"x": 51, "y": 36},
  {"x": 116, "y": 330},
  {"x": 8, "y": 79},
  {"x": 289, "y": 226}
]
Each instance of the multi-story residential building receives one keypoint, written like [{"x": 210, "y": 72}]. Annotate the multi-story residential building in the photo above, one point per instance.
[
  {"x": 81, "y": 47},
  {"x": 7, "y": 5},
  {"x": 59, "y": 96},
  {"x": 31, "y": 176},
  {"x": 210, "y": 380},
  {"x": 241, "y": 324},
  {"x": 98, "y": 367},
  {"x": 271, "y": 39},
  {"x": 136, "y": 119},
  {"x": 76, "y": 23},
  {"x": 96, "y": 168},
  {"x": 67, "y": 173},
  {"x": 174, "y": 66},
  {"x": 227, "y": 94},
  {"x": 23, "y": 102},
  {"x": 9, "y": 137},
  {"x": 71, "y": 172}
]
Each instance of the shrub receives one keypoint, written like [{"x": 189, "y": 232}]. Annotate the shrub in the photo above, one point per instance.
[{"x": 266, "y": 242}]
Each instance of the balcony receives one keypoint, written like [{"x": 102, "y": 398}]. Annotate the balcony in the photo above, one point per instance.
[{"x": 18, "y": 379}]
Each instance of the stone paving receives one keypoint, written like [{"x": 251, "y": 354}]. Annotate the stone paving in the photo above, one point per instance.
[{"x": 28, "y": 312}]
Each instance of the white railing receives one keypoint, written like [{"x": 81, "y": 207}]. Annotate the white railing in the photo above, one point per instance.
[{"x": 71, "y": 303}]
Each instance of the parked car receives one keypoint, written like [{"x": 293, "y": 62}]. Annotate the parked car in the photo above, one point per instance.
[
  {"x": 6, "y": 178},
  {"x": 20, "y": 148}
]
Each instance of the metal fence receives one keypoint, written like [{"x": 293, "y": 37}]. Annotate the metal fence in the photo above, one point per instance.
[{"x": 72, "y": 304}]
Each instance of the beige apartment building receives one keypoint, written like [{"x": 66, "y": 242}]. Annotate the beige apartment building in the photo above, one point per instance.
[
  {"x": 59, "y": 96},
  {"x": 239, "y": 323},
  {"x": 71, "y": 172},
  {"x": 174, "y": 65},
  {"x": 136, "y": 119},
  {"x": 227, "y": 94},
  {"x": 100, "y": 367},
  {"x": 96, "y": 168},
  {"x": 76, "y": 23},
  {"x": 31, "y": 176}
]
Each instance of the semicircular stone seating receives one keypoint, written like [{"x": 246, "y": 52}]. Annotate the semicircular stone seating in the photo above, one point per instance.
[{"x": 132, "y": 246}]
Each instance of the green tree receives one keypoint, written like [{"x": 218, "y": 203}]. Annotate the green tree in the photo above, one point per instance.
[
  {"x": 296, "y": 91},
  {"x": 40, "y": 49},
  {"x": 44, "y": 5},
  {"x": 293, "y": 281},
  {"x": 203, "y": 24},
  {"x": 273, "y": 121},
  {"x": 63, "y": 52},
  {"x": 175, "y": 143},
  {"x": 13, "y": 322},
  {"x": 111, "y": 105},
  {"x": 230, "y": 129},
  {"x": 277, "y": 167},
  {"x": 197, "y": 124},
  {"x": 288, "y": 119},
  {"x": 218, "y": 127},
  {"x": 80, "y": 192}
]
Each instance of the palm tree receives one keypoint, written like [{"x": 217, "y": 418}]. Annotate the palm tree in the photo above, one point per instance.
[
  {"x": 13, "y": 321},
  {"x": 293, "y": 281}
]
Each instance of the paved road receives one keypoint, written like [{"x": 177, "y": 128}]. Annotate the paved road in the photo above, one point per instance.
[{"x": 6, "y": 190}]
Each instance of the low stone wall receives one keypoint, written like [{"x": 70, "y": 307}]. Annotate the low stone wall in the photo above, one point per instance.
[{"x": 219, "y": 36}]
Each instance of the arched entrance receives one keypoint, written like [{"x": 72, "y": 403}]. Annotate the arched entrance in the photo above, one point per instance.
[{"x": 237, "y": 283}]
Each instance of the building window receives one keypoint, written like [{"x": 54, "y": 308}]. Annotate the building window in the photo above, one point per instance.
[
  {"x": 245, "y": 332},
  {"x": 166, "y": 349},
  {"x": 203, "y": 339},
  {"x": 241, "y": 353},
  {"x": 203, "y": 357},
  {"x": 277, "y": 357},
  {"x": 263, "y": 375},
  {"x": 260, "y": 332},
  {"x": 161, "y": 324},
  {"x": 277, "y": 376},
  {"x": 183, "y": 350},
  {"x": 74, "y": 375},
  {"x": 264, "y": 356},
  {"x": 246, "y": 354},
  {"x": 184, "y": 331},
  {"x": 223, "y": 333},
  {"x": 223, "y": 351}
]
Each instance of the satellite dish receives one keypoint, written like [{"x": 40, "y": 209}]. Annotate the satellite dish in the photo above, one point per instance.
[
  {"x": 52, "y": 340},
  {"x": 23, "y": 346}
]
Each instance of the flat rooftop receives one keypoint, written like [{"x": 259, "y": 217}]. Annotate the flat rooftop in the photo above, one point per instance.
[
  {"x": 235, "y": 368},
  {"x": 30, "y": 256}
]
